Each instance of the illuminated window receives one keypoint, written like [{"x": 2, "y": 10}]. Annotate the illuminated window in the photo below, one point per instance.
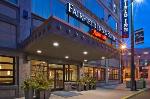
[
  {"x": 88, "y": 71},
  {"x": 70, "y": 73},
  {"x": 99, "y": 74},
  {"x": 113, "y": 74},
  {"x": 6, "y": 70}
]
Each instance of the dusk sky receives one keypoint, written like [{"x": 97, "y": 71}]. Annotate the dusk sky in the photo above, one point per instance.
[{"x": 142, "y": 20}]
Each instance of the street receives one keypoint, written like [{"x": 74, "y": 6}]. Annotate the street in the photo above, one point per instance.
[{"x": 144, "y": 95}]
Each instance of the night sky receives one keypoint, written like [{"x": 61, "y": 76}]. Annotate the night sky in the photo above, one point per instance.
[{"x": 142, "y": 20}]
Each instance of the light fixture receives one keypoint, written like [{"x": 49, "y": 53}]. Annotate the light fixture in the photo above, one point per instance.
[
  {"x": 139, "y": 1},
  {"x": 139, "y": 56},
  {"x": 85, "y": 52},
  {"x": 39, "y": 51},
  {"x": 129, "y": 53},
  {"x": 103, "y": 57},
  {"x": 145, "y": 53},
  {"x": 85, "y": 60},
  {"x": 43, "y": 62},
  {"x": 66, "y": 57},
  {"x": 55, "y": 44},
  {"x": 8, "y": 72},
  {"x": 0, "y": 67},
  {"x": 123, "y": 46}
]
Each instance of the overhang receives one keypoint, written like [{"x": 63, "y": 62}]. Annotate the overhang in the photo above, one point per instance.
[{"x": 72, "y": 42}]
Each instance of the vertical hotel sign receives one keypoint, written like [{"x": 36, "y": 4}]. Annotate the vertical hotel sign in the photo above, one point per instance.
[{"x": 125, "y": 25}]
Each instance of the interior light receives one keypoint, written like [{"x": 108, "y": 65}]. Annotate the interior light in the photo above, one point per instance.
[
  {"x": 66, "y": 57},
  {"x": 39, "y": 51},
  {"x": 85, "y": 52},
  {"x": 55, "y": 44}
]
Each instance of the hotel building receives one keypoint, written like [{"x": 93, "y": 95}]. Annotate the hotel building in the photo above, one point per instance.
[{"x": 66, "y": 39}]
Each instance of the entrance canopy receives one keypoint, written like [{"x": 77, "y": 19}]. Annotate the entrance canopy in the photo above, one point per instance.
[{"x": 56, "y": 38}]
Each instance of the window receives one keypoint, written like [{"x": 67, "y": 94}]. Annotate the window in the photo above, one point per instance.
[
  {"x": 94, "y": 7},
  {"x": 112, "y": 23},
  {"x": 113, "y": 74},
  {"x": 59, "y": 9},
  {"x": 7, "y": 70},
  {"x": 99, "y": 74},
  {"x": 70, "y": 73},
  {"x": 41, "y": 8},
  {"x": 13, "y": 1},
  {"x": 88, "y": 71},
  {"x": 38, "y": 67},
  {"x": 7, "y": 35}
]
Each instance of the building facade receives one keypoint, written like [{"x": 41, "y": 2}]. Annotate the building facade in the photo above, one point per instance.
[
  {"x": 142, "y": 60},
  {"x": 65, "y": 39}
]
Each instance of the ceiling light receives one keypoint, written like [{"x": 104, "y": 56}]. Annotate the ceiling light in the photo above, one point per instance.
[
  {"x": 103, "y": 57},
  {"x": 55, "y": 44},
  {"x": 85, "y": 60},
  {"x": 66, "y": 57},
  {"x": 43, "y": 62},
  {"x": 85, "y": 52},
  {"x": 39, "y": 51},
  {"x": 129, "y": 53},
  {"x": 145, "y": 53}
]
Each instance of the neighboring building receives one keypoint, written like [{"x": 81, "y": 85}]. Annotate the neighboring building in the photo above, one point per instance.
[
  {"x": 66, "y": 38},
  {"x": 142, "y": 63}
]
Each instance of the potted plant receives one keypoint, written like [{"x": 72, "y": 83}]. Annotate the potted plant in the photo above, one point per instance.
[
  {"x": 28, "y": 86},
  {"x": 80, "y": 84},
  {"x": 43, "y": 90},
  {"x": 86, "y": 82},
  {"x": 93, "y": 83}
]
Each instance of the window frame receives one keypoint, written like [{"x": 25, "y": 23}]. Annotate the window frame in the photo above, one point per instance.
[{"x": 13, "y": 64}]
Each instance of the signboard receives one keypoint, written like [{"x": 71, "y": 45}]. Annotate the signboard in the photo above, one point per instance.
[
  {"x": 139, "y": 36},
  {"x": 74, "y": 12},
  {"x": 125, "y": 21},
  {"x": 98, "y": 34}
]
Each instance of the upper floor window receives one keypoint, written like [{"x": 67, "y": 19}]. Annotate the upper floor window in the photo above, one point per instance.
[
  {"x": 112, "y": 23},
  {"x": 41, "y": 8},
  {"x": 112, "y": 5},
  {"x": 7, "y": 70},
  {"x": 13, "y": 1},
  {"x": 94, "y": 7}
]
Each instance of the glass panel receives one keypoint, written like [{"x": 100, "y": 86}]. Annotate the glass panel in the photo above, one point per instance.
[
  {"x": 56, "y": 66},
  {"x": 73, "y": 73},
  {"x": 41, "y": 8},
  {"x": 6, "y": 66},
  {"x": 52, "y": 76},
  {"x": 88, "y": 71},
  {"x": 6, "y": 59},
  {"x": 6, "y": 80},
  {"x": 59, "y": 79},
  {"x": 6, "y": 73},
  {"x": 66, "y": 73},
  {"x": 13, "y": 1},
  {"x": 59, "y": 9}
]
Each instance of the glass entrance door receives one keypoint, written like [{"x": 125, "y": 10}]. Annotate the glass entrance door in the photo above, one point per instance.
[
  {"x": 56, "y": 74},
  {"x": 59, "y": 79}
]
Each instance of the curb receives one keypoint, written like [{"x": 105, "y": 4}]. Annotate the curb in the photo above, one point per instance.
[{"x": 132, "y": 95}]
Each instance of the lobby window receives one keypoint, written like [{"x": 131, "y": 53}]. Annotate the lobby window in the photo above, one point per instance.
[
  {"x": 41, "y": 8},
  {"x": 113, "y": 74},
  {"x": 13, "y": 1},
  {"x": 7, "y": 65},
  {"x": 70, "y": 73},
  {"x": 88, "y": 71},
  {"x": 38, "y": 67},
  {"x": 99, "y": 74}
]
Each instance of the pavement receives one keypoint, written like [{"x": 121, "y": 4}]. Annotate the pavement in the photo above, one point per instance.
[
  {"x": 106, "y": 92},
  {"x": 143, "y": 95}
]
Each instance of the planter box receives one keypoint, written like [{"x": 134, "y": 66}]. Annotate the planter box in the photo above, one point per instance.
[
  {"x": 28, "y": 94},
  {"x": 139, "y": 84},
  {"x": 80, "y": 87},
  {"x": 43, "y": 94}
]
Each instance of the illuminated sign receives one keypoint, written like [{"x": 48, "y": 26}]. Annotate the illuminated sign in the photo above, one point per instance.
[
  {"x": 88, "y": 21},
  {"x": 98, "y": 34},
  {"x": 125, "y": 25}
]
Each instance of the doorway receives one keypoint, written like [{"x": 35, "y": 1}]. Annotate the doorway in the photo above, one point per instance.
[{"x": 56, "y": 74}]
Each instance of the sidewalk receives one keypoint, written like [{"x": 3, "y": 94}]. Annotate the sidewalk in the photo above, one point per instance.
[{"x": 107, "y": 92}]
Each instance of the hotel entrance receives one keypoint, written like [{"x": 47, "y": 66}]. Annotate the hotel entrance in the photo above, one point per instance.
[{"x": 56, "y": 73}]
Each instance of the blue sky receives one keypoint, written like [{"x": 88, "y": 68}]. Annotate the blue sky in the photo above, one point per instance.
[{"x": 142, "y": 20}]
